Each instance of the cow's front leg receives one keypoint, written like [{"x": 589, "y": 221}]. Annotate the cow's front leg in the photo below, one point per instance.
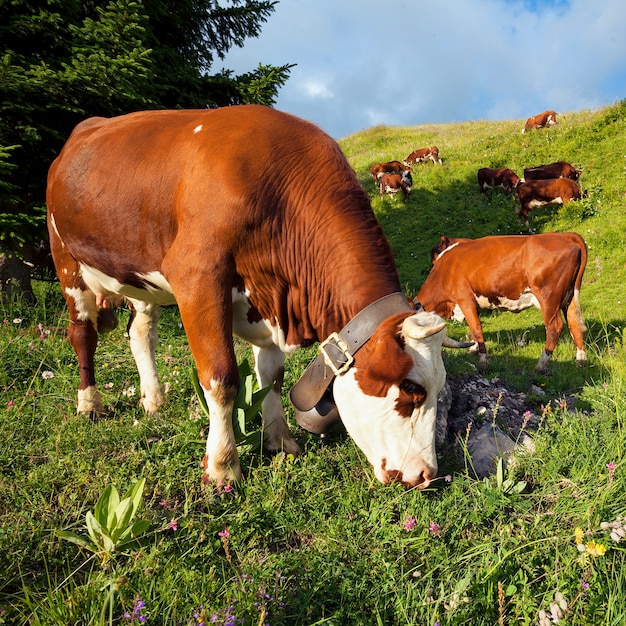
[
  {"x": 470, "y": 312},
  {"x": 143, "y": 335},
  {"x": 269, "y": 367}
]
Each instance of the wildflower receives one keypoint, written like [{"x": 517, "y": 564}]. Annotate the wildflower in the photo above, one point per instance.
[
  {"x": 228, "y": 488},
  {"x": 409, "y": 523},
  {"x": 10, "y": 403},
  {"x": 17, "y": 320},
  {"x": 129, "y": 392},
  {"x": 595, "y": 549},
  {"x": 47, "y": 374},
  {"x": 108, "y": 385},
  {"x": 434, "y": 529},
  {"x": 224, "y": 534},
  {"x": 173, "y": 523},
  {"x": 579, "y": 534},
  {"x": 448, "y": 478},
  {"x": 611, "y": 467}
]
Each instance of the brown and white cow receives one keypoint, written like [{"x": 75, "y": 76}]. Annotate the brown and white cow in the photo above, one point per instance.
[
  {"x": 560, "y": 169},
  {"x": 393, "y": 183},
  {"x": 389, "y": 167},
  {"x": 424, "y": 154},
  {"x": 547, "y": 118},
  {"x": 500, "y": 177},
  {"x": 253, "y": 223},
  {"x": 536, "y": 193},
  {"x": 513, "y": 273}
]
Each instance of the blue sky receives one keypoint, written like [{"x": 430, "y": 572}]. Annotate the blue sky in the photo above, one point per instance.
[{"x": 366, "y": 62}]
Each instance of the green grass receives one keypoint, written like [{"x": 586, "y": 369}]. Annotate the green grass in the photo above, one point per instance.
[{"x": 317, "y": 540}]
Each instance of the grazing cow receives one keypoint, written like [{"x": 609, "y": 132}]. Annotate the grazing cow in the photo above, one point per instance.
[
  {"x": 536, "y": 193},
  {"x": 424, "y": 154},
  {"x": 547, "y": 118},
  {"x": 510, "y": 272},
  {"x": 560, "y": 169},
  {"x": 392, "y": 183},
  {"x": 502, "y": 177},
  {"x": 253, "y": 223},
  {"x": 390, "y": 167}
]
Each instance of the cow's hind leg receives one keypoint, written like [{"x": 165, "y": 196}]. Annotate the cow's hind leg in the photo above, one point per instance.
[
  {"x": 142, "y": 332},
  {"x": 83, "y": 328},
  {"x": 269, "y": 367},
  {"x": 577, "y": 327}
]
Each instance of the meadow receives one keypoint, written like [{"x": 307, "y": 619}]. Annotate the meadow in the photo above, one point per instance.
[{"x": 316, "y": 539}]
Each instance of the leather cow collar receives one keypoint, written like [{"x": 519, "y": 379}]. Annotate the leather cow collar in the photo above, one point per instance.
[{"x": 312, "y": 393}]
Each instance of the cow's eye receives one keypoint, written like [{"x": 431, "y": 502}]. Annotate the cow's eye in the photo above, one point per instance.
[{"x": 409, "y": 386}]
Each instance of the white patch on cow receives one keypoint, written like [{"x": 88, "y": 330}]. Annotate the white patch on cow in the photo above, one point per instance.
[
  {"x": 457, "y": 314},
  {"x": 89, "y": 401},
  {"x": 454, "y": 245},
  {"x": 143, "y": 339},
  {"x": 56, "y": 230},
  {"x": 533, "y": 204},
  {"x": 525, "y": 301},
  {"x": 85, "y": 303},
  {"x": 405, "y": 444},
  {"x": 158, "y": 292},
  {"x": 262, "y": 333},
  {"x": 197, "y": 129}
]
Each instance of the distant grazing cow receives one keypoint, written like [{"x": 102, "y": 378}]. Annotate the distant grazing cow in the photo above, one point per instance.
[
  {"x": 560, "y": 169},
  {"x": 536, "y": 193},
  {"x": 547, "y": 118},
  {"x": 423, "y": 154},
  {"x": 152, "y": 206},
  {"x": 392, "y": 183},
  {"x": 389, "y": 167},
  {"x": 502, "y": 177},
  {"x": 510, "y": 272}
]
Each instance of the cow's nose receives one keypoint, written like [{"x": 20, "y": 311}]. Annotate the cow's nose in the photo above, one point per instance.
[{"x": 420, "y": 479}]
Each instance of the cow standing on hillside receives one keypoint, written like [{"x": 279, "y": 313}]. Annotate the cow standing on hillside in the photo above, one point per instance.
[
  {"x": 513, "y": 273},
  {"x": 389, "y": 167},
  {"x": 536, "y": 193},
  {"x": 253, "y": 222},
  {"x": 424, "y": 154},
  {"x": 393, "y": 183},
  {"x": 547, "y": 118},
  {"x": 499, "y": 177},
  {"x": 560, "y": 169}
]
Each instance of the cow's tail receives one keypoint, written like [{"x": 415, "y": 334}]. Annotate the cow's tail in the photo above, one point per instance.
[{"x": 574, "y": 312}]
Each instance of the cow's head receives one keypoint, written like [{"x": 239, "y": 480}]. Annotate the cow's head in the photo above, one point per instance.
[{"x": 388, "y": 399}]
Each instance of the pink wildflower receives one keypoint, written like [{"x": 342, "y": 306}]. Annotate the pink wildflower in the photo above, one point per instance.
[
  {"x": 225, "y": 534},
  {"x": 10, "y": 403},
  {"x": 173, "y": 523},
  {"x": 434, "y": 529},
  {"x": 409, "y": 523},
  {"x": 611, "y": 467}
]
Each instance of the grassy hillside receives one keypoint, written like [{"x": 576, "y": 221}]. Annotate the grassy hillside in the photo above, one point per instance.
[
  {"x": 446, "y": 200},
  {"x": 317, "y": 540}
]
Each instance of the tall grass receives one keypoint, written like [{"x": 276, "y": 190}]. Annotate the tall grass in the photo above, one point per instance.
[{"x": 317, "y": 540}]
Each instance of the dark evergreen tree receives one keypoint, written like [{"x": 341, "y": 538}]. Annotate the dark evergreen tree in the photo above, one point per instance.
[{"x": 64, "y": 60}]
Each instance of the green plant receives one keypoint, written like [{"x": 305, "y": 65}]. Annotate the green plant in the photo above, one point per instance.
[
  {"x": 110, "y": 526},
  {"x": 507, "y": 486},
  {"x": 247, "y": 422}
]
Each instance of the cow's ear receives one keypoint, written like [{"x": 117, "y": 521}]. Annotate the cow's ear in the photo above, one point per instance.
[{"x": 383, "y": 362}]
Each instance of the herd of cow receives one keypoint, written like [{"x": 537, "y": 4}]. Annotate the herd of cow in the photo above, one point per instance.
[{"x": 253, "y": 222}]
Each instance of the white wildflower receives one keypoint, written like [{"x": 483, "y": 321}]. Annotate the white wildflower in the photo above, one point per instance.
[{"x": 47, "y": 374}]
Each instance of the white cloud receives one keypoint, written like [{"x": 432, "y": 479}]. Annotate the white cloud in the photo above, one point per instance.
[{"x": 414, "y": 62}]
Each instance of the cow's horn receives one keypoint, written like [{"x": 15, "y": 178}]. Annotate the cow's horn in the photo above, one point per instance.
[
  {"x": 448, "y": 342},
  {"x": 422, "y": 325}
]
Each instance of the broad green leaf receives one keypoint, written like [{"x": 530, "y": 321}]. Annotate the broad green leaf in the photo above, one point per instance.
[
  {"x": 123, "y": 515},
  {"x": 74, "y": 538},
  {"x": 94, "y": 528},
  {"x": 135, "y": 494},
  {"x": 199, "y": 392}
]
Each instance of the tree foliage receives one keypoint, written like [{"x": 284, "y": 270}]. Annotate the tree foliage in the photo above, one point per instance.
[{"x": 64, "y": 60}]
